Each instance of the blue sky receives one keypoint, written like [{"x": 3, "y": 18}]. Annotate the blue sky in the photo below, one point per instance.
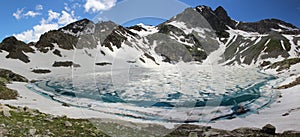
[{"x": 28, "y": 19}]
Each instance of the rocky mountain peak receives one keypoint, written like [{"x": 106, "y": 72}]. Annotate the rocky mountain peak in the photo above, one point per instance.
[
  {"x": 78, "y": 26},
  {"x": 217, "y": 19},
  {"x": 221, "y": 13}
]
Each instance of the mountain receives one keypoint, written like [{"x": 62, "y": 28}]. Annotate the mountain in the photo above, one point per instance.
[{"x": 198, "y": 34}]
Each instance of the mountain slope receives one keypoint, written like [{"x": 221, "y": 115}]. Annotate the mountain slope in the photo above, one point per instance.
[{"x": 198, "y": 34}]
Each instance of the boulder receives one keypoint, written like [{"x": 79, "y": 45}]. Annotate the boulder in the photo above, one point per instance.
[{"x": 269, "y": 129}]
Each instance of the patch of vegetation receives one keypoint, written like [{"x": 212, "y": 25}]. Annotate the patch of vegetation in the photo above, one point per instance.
[
  {"x": 294, "y": 83},
  {"x": 6, "y": 76},
  {"x": 285, "y": 64},
  {"x": 6, "y": 93},
  {"x": 41, "y": 71},
  {"x": 16, "y": 122},
  {"x": 11, "y": 76}
]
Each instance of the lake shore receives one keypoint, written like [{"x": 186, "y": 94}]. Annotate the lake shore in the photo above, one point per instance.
[{"x": 282, "y": 114}]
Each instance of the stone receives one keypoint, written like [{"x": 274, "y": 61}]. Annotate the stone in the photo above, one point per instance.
[
  {"x": 269, "y": 129},
  {"x": 68, "y": 124},
  {"x": 6, "y": 113},
  {"x": 241, "y": 110},
  {"x": 32, "y": 131}
]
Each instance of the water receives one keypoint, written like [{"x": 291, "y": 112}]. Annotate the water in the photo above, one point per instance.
[{"x": 176, "y": 94}]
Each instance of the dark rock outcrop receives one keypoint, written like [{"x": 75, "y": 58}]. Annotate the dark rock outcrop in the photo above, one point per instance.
[
  {"x": 264, "y": 26},
  {"x": 16, "y": 49},
  {"x": 137, "y": 28},
  {"x": 65, "y": 64},
  {"x": 117, "y": 37},
  {"x": 41, "y": 71},
  {"x": 63, "y": 40}
]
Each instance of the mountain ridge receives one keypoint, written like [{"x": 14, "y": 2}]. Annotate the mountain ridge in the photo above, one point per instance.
[{"x": 189, "y": 36}]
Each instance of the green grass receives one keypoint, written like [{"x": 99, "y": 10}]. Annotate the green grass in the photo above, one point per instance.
[{"x": 22, "y": 121}]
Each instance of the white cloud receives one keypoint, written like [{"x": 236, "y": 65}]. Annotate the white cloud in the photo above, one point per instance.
[
  {"x": 52, "y": 15},
  {"x": 25, "y": 36},
  {"x": 39, "y": 7},
  {"x": 98, "y": 5},
  {"x": 66, "y": 18},
  {"x": 18, "y": 14},
  {"x": 54, "y": 21},
  {"x": 36, "y": 32},
  {"x": 31, "y": 14}
]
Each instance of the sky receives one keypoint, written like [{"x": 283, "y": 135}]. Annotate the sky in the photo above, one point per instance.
[{"x": 28, "y": 19}]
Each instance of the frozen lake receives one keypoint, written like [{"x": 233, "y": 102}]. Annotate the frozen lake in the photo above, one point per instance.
[{"x": 181, "y": 93}]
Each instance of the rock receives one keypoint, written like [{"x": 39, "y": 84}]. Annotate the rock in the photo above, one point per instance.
[
  {"x": 68, "y": 124},
  {"x": 240, "y": 110},
  {"x": 65, "y": 104},
  {"x": 32, "y": 131},
  {"x": 6, "y": 113},
  {"x": 49, "y": 119},
  {"x": 269, "y": 129},
  {"x": 285, "y": 114}
]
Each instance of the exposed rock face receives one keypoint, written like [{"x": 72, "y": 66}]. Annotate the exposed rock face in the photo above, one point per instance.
[
  {"x": 75, "y": 28},
  {"x": 63, "y": 40},
  {"x": 221, "y": 13},
  {"x": 117, "y": 37},
  {"x": 15, "y": 48},
  {"x": 218, "y": 19},
  {"x": 265, "y": 26}
]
